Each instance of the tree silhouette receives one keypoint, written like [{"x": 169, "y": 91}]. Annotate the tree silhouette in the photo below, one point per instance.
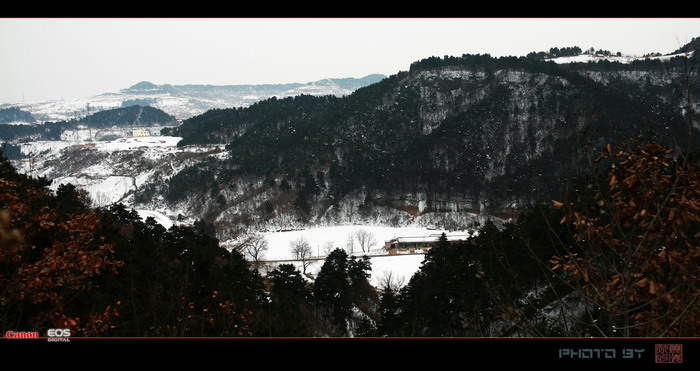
[
  {"x": 332, "y": 291},
  {"x": 301, "y": 250},
  {"x": 290, "y": 314}
]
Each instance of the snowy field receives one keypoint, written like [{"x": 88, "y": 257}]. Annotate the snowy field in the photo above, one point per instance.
[
  {"x": 125, "y": 144},
  {"x": 399, "y": 267},
  {"x": 106, "y": 188}
]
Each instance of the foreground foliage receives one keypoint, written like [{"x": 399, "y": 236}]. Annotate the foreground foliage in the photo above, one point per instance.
[
  {"x": 107, "y": 272},
  {"x": 618, "y": 256},
  {"x": 639, "y": 244}
]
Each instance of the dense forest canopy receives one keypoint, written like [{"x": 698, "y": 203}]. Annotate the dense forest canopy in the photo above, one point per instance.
[{"x": 474, "y": 126}]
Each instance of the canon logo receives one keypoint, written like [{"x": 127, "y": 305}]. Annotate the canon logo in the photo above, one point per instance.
[{"x": 21, "y": 335}]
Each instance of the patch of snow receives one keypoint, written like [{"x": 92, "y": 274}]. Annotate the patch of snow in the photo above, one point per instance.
[
  {"x": 161, "y": 218},
  {"x": 18, "y": 123},
  {"x": 125, "y": 144},
  {"x": 592, "y": 58},
  {"x": 44, "y": 147},
  {"x": 102, "y": 191}
]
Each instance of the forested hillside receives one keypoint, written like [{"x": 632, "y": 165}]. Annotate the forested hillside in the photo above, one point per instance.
[
  {"x": 631, "y": 230},
  {"x": 10, "y": 115},
  {"x": 125, "y": 119},
  {"x": 448, "y": 135}
]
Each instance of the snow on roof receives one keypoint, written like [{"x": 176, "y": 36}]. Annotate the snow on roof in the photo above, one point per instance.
[{"x": 429, "y": 238}]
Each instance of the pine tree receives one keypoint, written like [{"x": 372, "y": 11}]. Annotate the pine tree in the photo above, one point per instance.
[
  {"x": 289, "y": 312},
  {"x": 332, "y": 290},
  {"x": 446, "y": 297},
  {"x": 389, "y": 323}
]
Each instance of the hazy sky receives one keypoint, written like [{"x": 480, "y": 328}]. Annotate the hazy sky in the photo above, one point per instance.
[{"x": 71, "y": 58}]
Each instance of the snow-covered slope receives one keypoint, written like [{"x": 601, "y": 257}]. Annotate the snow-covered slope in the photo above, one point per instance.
[
  {"x": 110, "y": 171},
  {"x": 626, "y": 59}
]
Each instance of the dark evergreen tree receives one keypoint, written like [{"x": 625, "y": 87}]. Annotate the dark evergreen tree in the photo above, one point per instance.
[
  {"x": 332, "y": 291},
  {"x": 179, "y": 282},
  {"x": 205, "y": 227},
  {"x": 446, "y": 297},
  {"x": 390, "y": 322},
  {"x": 306, "y": 194},
  {"x": 284, "y": 185},
  {"x": 71, "y": 200},
  {"x": 289, "y": 309},
  {"x": 358, "y": 271}
]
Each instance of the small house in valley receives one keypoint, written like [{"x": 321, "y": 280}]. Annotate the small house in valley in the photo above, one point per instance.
[{"x": 419, "y": 244}]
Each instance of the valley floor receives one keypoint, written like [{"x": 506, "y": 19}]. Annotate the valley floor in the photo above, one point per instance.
[{"x": 398, "y": 268}]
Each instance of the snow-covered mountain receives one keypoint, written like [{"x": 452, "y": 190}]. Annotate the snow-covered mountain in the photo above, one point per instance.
[
  {"x": 428, "y": 146},
  {"x": 184, "y": 101}
]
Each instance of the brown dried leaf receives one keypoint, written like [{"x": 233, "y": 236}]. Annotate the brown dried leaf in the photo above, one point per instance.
[
  {"x": 643, "y": 282},
  {"x": 652, "y": 287}
]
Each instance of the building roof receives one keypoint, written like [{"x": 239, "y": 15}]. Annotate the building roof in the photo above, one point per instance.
[{"x": 429, "y": 238}]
